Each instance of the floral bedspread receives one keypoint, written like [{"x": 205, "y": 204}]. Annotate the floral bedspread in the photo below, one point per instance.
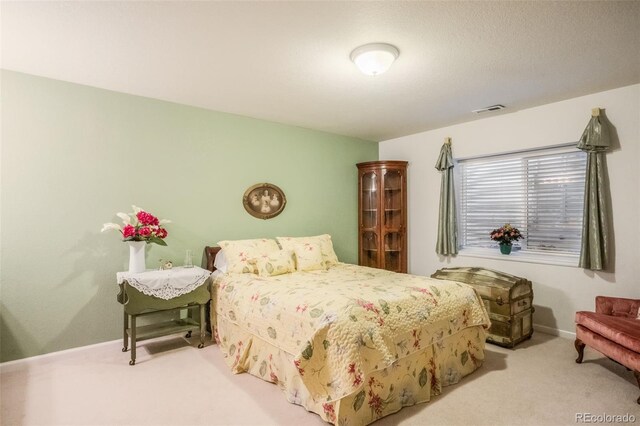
[{"x": 344, "y": 323}]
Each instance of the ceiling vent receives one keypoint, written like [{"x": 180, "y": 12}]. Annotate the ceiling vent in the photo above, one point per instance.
[{"x": 489, "y": 109}]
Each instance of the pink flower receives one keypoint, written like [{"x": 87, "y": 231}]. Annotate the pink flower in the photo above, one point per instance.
[
  {"x": 368, "y": 306},
  {"x": 129, "y": 231},
  {"x": 329, "y": 410},
  {"x": 506, "y": 234},
  {"x": 328, "y": 407},
  {"x": 375, "y": 402},
  {"x": 140, "y": 226},
  {"x": 147, "y": 218},
  {"x": 357, "y": 380}
]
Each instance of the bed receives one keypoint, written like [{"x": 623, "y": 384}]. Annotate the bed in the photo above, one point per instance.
[{"x": 350, "y": 343}]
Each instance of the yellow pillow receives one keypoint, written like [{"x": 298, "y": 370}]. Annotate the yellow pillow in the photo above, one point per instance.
[
  {"x": 276, "y": 263},
  {"x": 242, "y": 255},
  {"x": 324, "y": 241},
  {"x": 309, "y": 257}
]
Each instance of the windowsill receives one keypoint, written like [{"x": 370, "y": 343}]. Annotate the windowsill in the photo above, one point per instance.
[{"x": 520, "y": 256}]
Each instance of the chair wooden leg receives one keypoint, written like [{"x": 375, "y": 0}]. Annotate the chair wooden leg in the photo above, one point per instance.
[
  {"x": 580, "y": 348},
  {"x": 637, "y": 374}
]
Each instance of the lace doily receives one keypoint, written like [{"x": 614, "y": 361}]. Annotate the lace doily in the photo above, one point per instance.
[{"x": 166, "y": 284}]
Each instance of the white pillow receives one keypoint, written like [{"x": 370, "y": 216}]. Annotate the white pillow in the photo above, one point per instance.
[{"x": 220, "y": 262}]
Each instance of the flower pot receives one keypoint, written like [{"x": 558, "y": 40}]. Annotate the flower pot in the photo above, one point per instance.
[
  {"x": 136, "y": 256},
  {"x": 505, "y": 248}
]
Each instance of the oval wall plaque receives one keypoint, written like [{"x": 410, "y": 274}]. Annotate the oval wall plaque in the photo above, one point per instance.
[{"x": 264, "y": 200}]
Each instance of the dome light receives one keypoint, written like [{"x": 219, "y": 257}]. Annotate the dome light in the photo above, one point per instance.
[{"x": 374, "y": 58}]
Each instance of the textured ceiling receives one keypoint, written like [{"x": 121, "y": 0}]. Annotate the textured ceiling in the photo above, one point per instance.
[{"x": 289, "y": 61}]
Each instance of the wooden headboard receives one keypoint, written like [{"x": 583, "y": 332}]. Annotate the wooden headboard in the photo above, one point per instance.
[{"x": 211, "y": 252}]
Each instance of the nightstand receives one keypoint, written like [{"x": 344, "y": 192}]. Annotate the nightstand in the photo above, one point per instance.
[{"x": 153, "y": 292}]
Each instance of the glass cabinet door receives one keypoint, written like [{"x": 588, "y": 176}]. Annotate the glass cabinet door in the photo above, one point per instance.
[
  {"x": 369, "y": 199},
  {"x": 369, "y": 249},
  {"x": 393, "y": 252},
  {"x": 393, "y": 213},
  {"x": 393, "y": 220}
]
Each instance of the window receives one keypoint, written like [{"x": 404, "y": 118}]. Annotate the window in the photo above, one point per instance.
[{"x": 540, "y": 192}]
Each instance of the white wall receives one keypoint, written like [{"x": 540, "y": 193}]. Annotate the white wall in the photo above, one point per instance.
[{"x": 560, "y": 291}]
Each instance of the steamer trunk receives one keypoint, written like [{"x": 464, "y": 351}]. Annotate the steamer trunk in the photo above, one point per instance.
[{"x": 508, "y": 299}]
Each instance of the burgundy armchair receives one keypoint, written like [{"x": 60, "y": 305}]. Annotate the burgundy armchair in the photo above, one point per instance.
[{"x": 613, "y": 329}]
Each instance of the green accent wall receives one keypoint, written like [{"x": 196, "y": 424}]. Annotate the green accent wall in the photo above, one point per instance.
[{"x": 72, "y": 156}]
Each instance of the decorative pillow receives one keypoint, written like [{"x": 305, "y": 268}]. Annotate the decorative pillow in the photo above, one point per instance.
[
  {"x": 241, "y": 255},
  {"x": 324, "y": 241},
  {"x": 276, "y": 263},
  {"x": 220, "y": 262},
  {"x": 309, "y": 257}
]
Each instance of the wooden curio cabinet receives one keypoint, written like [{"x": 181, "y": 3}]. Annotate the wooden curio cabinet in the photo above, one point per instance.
[{"x": 382, "y": 215}]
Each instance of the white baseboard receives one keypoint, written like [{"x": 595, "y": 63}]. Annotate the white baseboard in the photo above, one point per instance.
[
  {"x": 18, "y": 364},
  {"x": 554, "y": 331}
]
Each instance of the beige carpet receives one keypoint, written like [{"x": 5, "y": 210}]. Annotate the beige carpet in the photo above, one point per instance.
[{"x": 174, "y": 383}]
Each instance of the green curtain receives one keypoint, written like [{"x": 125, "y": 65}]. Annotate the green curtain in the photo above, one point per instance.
[
  {"x": 447, "y": 221},
  {"x": 595, "y": 141}
]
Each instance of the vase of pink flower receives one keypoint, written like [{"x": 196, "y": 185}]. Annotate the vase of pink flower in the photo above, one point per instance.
[
  {"x": 505, "y": 236},
  {"x": 139, "y": 229}
]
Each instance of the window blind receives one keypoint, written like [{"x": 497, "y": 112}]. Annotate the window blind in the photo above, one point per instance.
[{"x": 540, "y": 192}]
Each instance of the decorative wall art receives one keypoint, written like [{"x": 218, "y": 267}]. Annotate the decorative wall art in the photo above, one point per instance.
[{"x": 264, "y": 201}]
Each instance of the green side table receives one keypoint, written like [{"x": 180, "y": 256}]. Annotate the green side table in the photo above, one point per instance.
[{"x": 162, "y": 296}]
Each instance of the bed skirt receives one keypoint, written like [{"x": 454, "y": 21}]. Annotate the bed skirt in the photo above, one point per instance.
[{"x": 408, "y": 381}]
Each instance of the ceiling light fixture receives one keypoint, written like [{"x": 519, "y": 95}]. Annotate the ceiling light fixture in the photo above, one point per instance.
[{"x": 374, "y": 58}]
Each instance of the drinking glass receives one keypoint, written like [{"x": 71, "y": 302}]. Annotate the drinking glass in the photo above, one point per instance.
[{"x": 188, "y": 259}]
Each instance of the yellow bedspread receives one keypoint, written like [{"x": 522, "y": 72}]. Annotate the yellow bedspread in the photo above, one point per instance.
[{"x": 342, "y": 324}]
